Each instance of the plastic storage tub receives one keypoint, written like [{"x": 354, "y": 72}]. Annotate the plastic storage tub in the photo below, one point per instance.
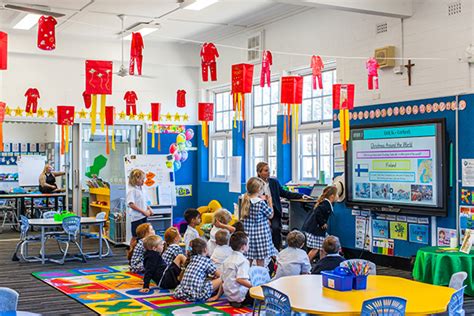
[{"x": 340, "y": 279}]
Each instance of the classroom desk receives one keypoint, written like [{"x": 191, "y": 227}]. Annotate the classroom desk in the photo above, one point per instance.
[
  {"x": 307, "y": 295},
  {"x": 20, "y": 200},
  {"x": 299, "y": 209},
  {"x": 49, "y": 223}
]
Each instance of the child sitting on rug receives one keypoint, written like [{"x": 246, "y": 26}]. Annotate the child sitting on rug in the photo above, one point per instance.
[
  {"x": 222, "y": 250},
  {"x": 195, "y": 285},
  {"x": 137, "y": 251},
  {"x": 193, "y": 218},
  {"x": 331, "y": 258},
  {"x": 172, "y": 248},
  {"x": 235, "y": 272},
  {"x": 293, "y": 260},
  {"x": 220, "y": 221}
]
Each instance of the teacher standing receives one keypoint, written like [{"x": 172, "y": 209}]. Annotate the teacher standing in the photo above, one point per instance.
[
  {"x": 272, "y": 193},
  {"x": 47, "y": 180}
]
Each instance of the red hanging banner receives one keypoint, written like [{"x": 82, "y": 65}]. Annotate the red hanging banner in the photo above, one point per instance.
[
  {"x": 155, "y": 117},
  {"x": 3, "y": 50},
  {"x": 291, "y": 96},
  {"x": 343, "y": 100},
  {"x": 205, "y": 115},
  {"x": 65, "y": 118},
  {"x": 109, "y": 121},
  {"x": 242, "y": 81}
]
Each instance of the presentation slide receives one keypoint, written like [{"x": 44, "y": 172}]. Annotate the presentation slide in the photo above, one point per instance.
[{"x": 395, "y": 165}]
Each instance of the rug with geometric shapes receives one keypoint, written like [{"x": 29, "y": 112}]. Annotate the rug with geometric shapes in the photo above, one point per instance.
[{"x": 113, "y": 290}]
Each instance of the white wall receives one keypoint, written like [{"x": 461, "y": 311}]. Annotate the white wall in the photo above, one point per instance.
[
  {"x": 58, "y": 75},
  {"x": 430, "y": 32},
  {"x": 15, "y": 132}
]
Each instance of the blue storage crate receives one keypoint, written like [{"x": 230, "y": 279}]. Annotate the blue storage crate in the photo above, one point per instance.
[
  {"x": 360, "y": 282},
  {"x": 339, "y": 279}
]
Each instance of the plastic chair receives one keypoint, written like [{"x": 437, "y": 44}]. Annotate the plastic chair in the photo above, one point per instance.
[
  {"x": 258, "y": 276},
  {"x": 49, "y": 214},
  {"x": 276, "y": 303},
  {"x": 9, "y": 213},
  {"x": 457, "y": 280},
  {"x": 384, "y": 306},
  {"x": 102, "y": 215},
  {"x": 456, "y": 303},
  {"x": 8, "y": 299},
  {"x": 372, "y": 266},
  {"x": 72, "y": 227},
  {"x": 25, "y": 239}
]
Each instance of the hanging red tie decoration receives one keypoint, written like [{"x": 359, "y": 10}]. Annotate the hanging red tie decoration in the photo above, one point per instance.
[
  {"x": 205, "y": 115},
  {"x": 3, "y": 50},
  {"x": 65, "y": 119},
  {"x": 343, "y": 100},
  {"x": 98, "y": 82},
  {"x": 155, "y": 117},
  {"x": 2, "y": 119},
  {"x": 109, "y": 121},
  {"x": 242, "y": 77},
  {"x": 291, "y": 96}
]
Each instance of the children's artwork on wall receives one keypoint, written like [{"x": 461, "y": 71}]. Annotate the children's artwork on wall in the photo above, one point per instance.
[
  {"x": 466, "y": 196},
  {"x": 343, "y": 100},
  {"x": 317, "y": 67},
  {"x": 109, "y": 121},
  {"x": 265, "y": 75},
  {"x": 205, "y": 115},
  {"x": 466, "y": 219},
  {"x": 131, "y": 98},
  {"x": 242, "y": 79},
  {"x": 136, "y": 54},
  {"x": 398, "y": 230},
  {"x": 32, "y": 95},
  {"x": 291, "y": 96},
  {"x": 445, "y": 235},
  {"x": 380, "y": 228},
  {"x": 47, "y": 33},
  {"x": 65, "y": 119},
  {"x": 99, "y": 163},
  {"x": 383, "y": 246},
  {"x": 3, "y": 50},
  {"x": 418, "y": 233},
  {"x": 181, "y": 98},
  {"x": 467, "y": 241},
  {"x": 363, "y": 232},
  {"x": 209, "y": 54},
  {"x": 184, "y": 190}
]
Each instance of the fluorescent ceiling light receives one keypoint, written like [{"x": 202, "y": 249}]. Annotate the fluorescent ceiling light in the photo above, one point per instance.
[
  {"x": 200, "y": 4},
  {"x": 143, "y": 31},
  {"x": 27, "y": 22}
]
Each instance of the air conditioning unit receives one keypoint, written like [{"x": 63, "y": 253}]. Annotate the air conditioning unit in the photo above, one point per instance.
[
  {"x": 255, "y": 47},
  {"x": 384, "y": 56}
]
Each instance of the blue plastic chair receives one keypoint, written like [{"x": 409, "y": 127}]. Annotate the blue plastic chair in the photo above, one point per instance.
[
  {"x": 372, "y": 266},
  {"x": 102, "y": 215},
  {"x": 49, "y": 214},
  {"x": 72, "y": 227},
  {"x": 8, "y": 299},
  {"x": 25, "y": 239},
  {"x": 258, "y": 276},
  {"x": 276, "y": 303},
  {"x": 456, "y": 303},
  {"x": 457, "y": 280},
  {"x": 384, "y": 306}
]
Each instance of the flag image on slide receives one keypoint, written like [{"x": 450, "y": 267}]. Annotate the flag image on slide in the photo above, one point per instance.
[{"x": 362, "y": 170}]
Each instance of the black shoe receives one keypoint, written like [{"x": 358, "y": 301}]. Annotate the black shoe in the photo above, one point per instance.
[{"x": 235, "y": 304}]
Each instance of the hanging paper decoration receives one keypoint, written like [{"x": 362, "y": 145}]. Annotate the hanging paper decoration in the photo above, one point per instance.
[
  {"x": 155, "y": 117},
  {"x": 242, "y": 77},
  {"x": 265, "y": 74},
  {"x": 291, "y": 96},
  {"x": 205, "y": 115},
  {"x": 208, "y": 60},
  {"x": 2, "y": 119},
  {"x": 3, "y": 50},
  {"x": 109, "y": 121},
  {"x": 98, "y": 82},
  {"x": 87, "y": 99},
  {"x": 131, "y": 98},
  {"x": 32, "y": 95},
  {"x": 46, "y": 33},
  {"x": 317, "y": 67},
  {"x": 181, "y": 98},
  {"x": 372, "y": 67},
  {"x": 65, "y": 119},
  {"x": 136, "y": 53},
  {"x": 343, "y": 100}
]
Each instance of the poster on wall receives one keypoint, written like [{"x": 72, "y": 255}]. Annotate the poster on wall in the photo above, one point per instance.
[
  {"x": 467, "y": 241},
  {"x": 380, "y": 228},
  {"x": 418, "y": 233},
  {"x": 445, "y": 235},
  {"x": 363, "y": 232},
  {"x": 466, "y": 196},
  {"x": 184, "y": 190},
  {"x": 383, "y": 246},
  {"x": 399, "y": 230},
  {"x": 235, "y": 174},
  {"x": 466, "y": 219},
  {"x": 467, "y": 172}
]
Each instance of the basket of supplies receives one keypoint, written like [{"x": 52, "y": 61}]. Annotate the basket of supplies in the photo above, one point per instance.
[{"x": 339, "y": 279}]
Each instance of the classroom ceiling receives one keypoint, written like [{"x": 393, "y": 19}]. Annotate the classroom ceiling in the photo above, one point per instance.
[{"x": 99, "y": 18}]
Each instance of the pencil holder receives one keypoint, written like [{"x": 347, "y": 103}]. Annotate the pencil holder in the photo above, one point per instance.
[{"x": 359, "y": 282}]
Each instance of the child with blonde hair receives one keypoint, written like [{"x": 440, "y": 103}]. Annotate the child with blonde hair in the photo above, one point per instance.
[
  {"x": 220, "y": 221},
  {"x": 137, "y": 250},
  {"x": 137, "y": 200},
  {"x": 222, "y": 250},
  {"x": 154, "y": 263},
  {"x": 293, "y": 260},
  {"x": 256, "y": 214}
]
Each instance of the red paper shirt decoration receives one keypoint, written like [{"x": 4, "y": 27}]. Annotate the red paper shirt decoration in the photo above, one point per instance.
[
  {"x": 2, "y": 119},
  {"x": 65, "y": 118},
  {"x": 265, "y": 74},
  {"x": 155, "y": 117},
  {"x": 242, "y": 82},
  {"x": 343, "y": 100},
  {"x": 136, "y": 56},
  {"x": 109, "y": 121},
  {"x": 32, "y": 95},
  {"x": 181, "y": 98},
  {"x": 46, "y": 33},
  {"x": 291, "y": 96},
  {"x": 205, "y": 115},
  {"x": 317, "y": 67},
  {"x": 131, "y": 98},
  {"x": 372, "y": 67},
  {"x": 3, "y": 50},
  {"x": 209, "y": 54}
]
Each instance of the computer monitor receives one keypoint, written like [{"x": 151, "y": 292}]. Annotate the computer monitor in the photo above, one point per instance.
[{"x": 317, "y": 190}]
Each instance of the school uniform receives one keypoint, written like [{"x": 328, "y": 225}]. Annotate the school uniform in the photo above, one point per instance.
[
  {"x": 211, "y": 243},
  {"x": 170, "y": 276},
  {"x": 190, "y": 234},
  {"x": 292, "y": 261},
  {"x": 138, "y": 256},
  {"x": 138, "y": 197},
  {"x": 314, "y": 222},
  {"x": 171, "y": 252},
  {"x": 195, "y": 285},
  {"x": 236, "y": 266},
  {"x": 221, "y": 253},
  {"x": 330, "y": 262},
  {"x": 154, "y": 268},
  {"x": 258, "y": 230}
]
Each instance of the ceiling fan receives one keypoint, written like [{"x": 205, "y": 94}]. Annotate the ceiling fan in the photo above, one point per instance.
[{"x": 33, "y": 9}]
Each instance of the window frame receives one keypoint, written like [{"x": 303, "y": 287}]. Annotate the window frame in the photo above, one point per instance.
[{"x": 251, "y": 171}]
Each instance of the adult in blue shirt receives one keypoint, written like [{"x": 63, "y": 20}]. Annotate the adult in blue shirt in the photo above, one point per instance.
[{"x": 273, "y": 191}]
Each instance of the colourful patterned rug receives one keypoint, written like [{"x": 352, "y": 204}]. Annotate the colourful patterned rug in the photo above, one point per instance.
[{"x": 113, "y": 290}]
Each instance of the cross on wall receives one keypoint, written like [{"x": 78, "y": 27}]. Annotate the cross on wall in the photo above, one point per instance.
[{"x": 408, "y": 67}]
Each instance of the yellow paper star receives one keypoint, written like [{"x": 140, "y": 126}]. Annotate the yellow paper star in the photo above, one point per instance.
[
  {"x": 8, "y": 111},
  {"x": 148, "y": 117},
  {"x": 185, "y": 118},
  {"x": 18, "y": 111},
  {"x": 141, "y": 116},
  {"x": 177, "y": 117},
  {"x": 82, "y": 114},
  {"x": 131, "y": 117},
  {"x": 122, "y": 115},
  {"x": 51, "y": 113},
  {"x": 40, "y": 112},
  {"x": 168, "y": 116},
  {"x": 29, "y": 114}
]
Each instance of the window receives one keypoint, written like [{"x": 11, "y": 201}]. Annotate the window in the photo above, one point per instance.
[
  {"x": 262, "y": 148},
  {"x": 221, "y": 150},
  {"x": 315, "y": 156},
  {"x": 224, "y": 115},
  {"x": 265, "y": 105},
  {"x": 317, "y": 104},
  {"x": 220, "y": 139}
]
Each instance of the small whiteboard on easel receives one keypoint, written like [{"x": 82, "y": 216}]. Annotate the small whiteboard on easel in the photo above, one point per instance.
[{"x": 29, "y": 169}]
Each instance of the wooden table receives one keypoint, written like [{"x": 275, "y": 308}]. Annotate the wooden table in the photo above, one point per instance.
[{"x": 308, "y": 295}]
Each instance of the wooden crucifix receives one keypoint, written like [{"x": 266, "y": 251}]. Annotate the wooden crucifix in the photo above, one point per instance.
[{"x": 408, "y": 67}]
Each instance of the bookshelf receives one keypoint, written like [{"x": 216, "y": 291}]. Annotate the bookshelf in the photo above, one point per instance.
[{"x": 99, "y": 201}]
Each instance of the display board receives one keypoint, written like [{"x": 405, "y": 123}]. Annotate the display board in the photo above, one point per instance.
[
  {"x": 398, "y": 168},
  {"x": 29, "y": 169}
]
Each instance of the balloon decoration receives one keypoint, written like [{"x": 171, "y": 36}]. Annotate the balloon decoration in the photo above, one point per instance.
[
  {"x": 205, "y": 115},
  {"x": 291, "y": 96},
  {"x": 98, "y": 82},
  {"x": 109, "y": 121},
  {"x": 181, "y": 98},
  {"x": 343, "y": 100},
  {"x": 179, "y": 150},
  {"x": 3, "y": 50},
  {"x": 65, "y": 119},
  {"x": 32, "y": 95},
  {"x": 242, "y": 77},
  {"x": 155, "y": 117},
  {"x": 2, "y": 119}
]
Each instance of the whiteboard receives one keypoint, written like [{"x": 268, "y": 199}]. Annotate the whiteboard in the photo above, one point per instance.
[{"x": 29, "y": 169}]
